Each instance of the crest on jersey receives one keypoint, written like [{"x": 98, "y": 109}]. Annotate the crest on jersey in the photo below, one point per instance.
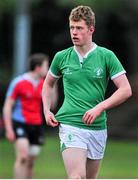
[
  {"x": 68, "y": 71},
  {"x": 98, "y": 72}
]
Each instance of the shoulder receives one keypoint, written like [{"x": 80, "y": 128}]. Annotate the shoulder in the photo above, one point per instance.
[
  {"x": 17, "y": 80},
  {"x": 14, "y": 85},
  {"x": 62, "y": 56},
  {"x": 104, "y": 51},
  {"x": 64, "y": 52}
]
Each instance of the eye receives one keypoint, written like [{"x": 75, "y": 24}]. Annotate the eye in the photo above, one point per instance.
[
  {"x": 79, "y": 28},
  {"x": 71, "y": 27}
]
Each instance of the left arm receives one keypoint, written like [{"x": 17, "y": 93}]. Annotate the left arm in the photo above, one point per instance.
[
  {"x": 122, "y": 93},
  {"x": 54, "y": 97}
]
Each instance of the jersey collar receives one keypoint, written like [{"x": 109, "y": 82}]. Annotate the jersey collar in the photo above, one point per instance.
[
  {"x": 27, "y": 77},
  {"x": 86, "y": 55},
  {"x": 91, "y": 50}
]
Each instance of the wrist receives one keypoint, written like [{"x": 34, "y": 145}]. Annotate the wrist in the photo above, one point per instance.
[
  {"x": 8, "y": 129},
  {"x": 8, "y": 125},
  {"x": 46, "y": 111},
  {"x": 102, "y": 106}
]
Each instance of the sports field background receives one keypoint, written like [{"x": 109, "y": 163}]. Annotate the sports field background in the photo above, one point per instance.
[{"x": 120, "y": 161}]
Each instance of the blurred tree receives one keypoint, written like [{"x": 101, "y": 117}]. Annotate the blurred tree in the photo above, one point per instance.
[
  {"x": 97, "y": 4},
  {"x": 7, "y": 5}
]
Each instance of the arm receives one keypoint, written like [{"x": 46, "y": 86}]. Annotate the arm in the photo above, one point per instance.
[
  {"x": 54, "y": 97},
  {"x": 122, "y": 93},
  {"x": 47, "y": 92},
  {"x": 7, "y": 115}
]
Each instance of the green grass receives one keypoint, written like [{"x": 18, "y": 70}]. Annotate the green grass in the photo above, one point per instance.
[{"x": 120, "y": 161}]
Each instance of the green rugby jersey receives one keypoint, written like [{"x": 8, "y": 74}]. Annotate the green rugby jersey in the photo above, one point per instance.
[{"x": 84, "y": 84}]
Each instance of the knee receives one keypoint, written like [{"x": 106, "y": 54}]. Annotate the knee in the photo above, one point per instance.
[
  {"x": 77, "y": 176},
  {"x": 22, "y": 159}
]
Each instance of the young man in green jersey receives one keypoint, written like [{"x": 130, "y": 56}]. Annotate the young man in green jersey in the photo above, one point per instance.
[{"x": 85, "y": 69}]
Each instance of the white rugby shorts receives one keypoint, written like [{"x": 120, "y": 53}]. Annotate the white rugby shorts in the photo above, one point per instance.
[{"x": 94, "y": 141}]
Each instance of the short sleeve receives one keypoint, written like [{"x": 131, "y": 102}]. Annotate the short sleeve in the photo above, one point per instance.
[
  {"x": 55, "y": 66},
  {"x": 114, "y": 66},
  {"x": 12, "y": 89}
]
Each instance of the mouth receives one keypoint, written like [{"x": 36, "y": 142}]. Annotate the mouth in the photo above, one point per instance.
[{"x": 75, "y": 39}]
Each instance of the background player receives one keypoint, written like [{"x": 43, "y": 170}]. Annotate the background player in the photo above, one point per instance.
[{"x": 22, "y": 114}]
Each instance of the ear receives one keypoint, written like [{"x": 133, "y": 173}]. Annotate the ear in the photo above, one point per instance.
[{"x": 92, "y": 29}]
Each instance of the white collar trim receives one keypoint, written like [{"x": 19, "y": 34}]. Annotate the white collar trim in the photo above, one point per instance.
[
  {"x": 30, "y": 79},
  {"x": 91, "y": 50}
]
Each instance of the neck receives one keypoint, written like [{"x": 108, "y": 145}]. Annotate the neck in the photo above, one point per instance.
[
  {"x": 85, "y": 48},
  {"x": 34, "y": 75}
]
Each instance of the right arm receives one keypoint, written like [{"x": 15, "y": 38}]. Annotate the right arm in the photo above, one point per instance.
[
  {"x": 7, "y": 115},
  {"x": 47, "y": 92}
]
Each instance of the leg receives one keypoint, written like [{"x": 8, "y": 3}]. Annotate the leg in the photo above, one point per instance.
[
  {"x": 30, "y": 166},
  {"x": 96, "y": 148},
  {"x": 92, "y": 168},
  {"x": 22, "y": 154},
  {"x": 75, "y": 162},
  {"x": 34, "y": 151}
]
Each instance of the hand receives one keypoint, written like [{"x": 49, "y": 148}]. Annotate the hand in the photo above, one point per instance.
[
  {"x": 10, "y": 135},
  {"x": 50, "y": 119},
  {"x": 92, "y": 114}
]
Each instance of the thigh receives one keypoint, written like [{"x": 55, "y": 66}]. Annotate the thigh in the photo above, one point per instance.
[
  {"x": 74, "y": 150},
  {"x": 96, "y": 148},
  {"x": 20, "y": 130},
  {"x": 22, "y": 147},
  {"x": 92, "y": 168},
  {"x": 96, "y": 144},
  {"x": 72, "y": 137},
  {"x": 75, "y": 161},
  {"x": 22, "y": 141}
]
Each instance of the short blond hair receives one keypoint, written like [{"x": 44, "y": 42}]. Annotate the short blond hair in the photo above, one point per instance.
[{"x": 83, "y": 13}]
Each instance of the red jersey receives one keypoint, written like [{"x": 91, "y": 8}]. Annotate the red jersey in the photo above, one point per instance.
[{"x": 28, "y": 103}]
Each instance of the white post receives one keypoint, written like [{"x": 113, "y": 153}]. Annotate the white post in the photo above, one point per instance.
[{"x": 21, "y": 37}]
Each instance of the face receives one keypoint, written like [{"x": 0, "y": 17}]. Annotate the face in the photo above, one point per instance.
[
  {"x": 43, "y": 69},
  {"x": 80, "y": 33}
]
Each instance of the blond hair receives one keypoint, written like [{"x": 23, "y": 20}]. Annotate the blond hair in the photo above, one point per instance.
[{"x": 83, "y": 13}]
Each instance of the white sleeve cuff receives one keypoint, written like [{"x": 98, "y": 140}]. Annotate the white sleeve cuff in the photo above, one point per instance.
[
  {"x": 118, "y": 74},
  {"x": 55, "y": 76}
]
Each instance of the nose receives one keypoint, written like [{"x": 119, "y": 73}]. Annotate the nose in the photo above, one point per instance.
[{"x": 74, "y": 31}]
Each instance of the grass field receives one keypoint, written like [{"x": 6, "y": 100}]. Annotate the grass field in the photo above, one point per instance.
[{"x": 120, "y": 161}]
